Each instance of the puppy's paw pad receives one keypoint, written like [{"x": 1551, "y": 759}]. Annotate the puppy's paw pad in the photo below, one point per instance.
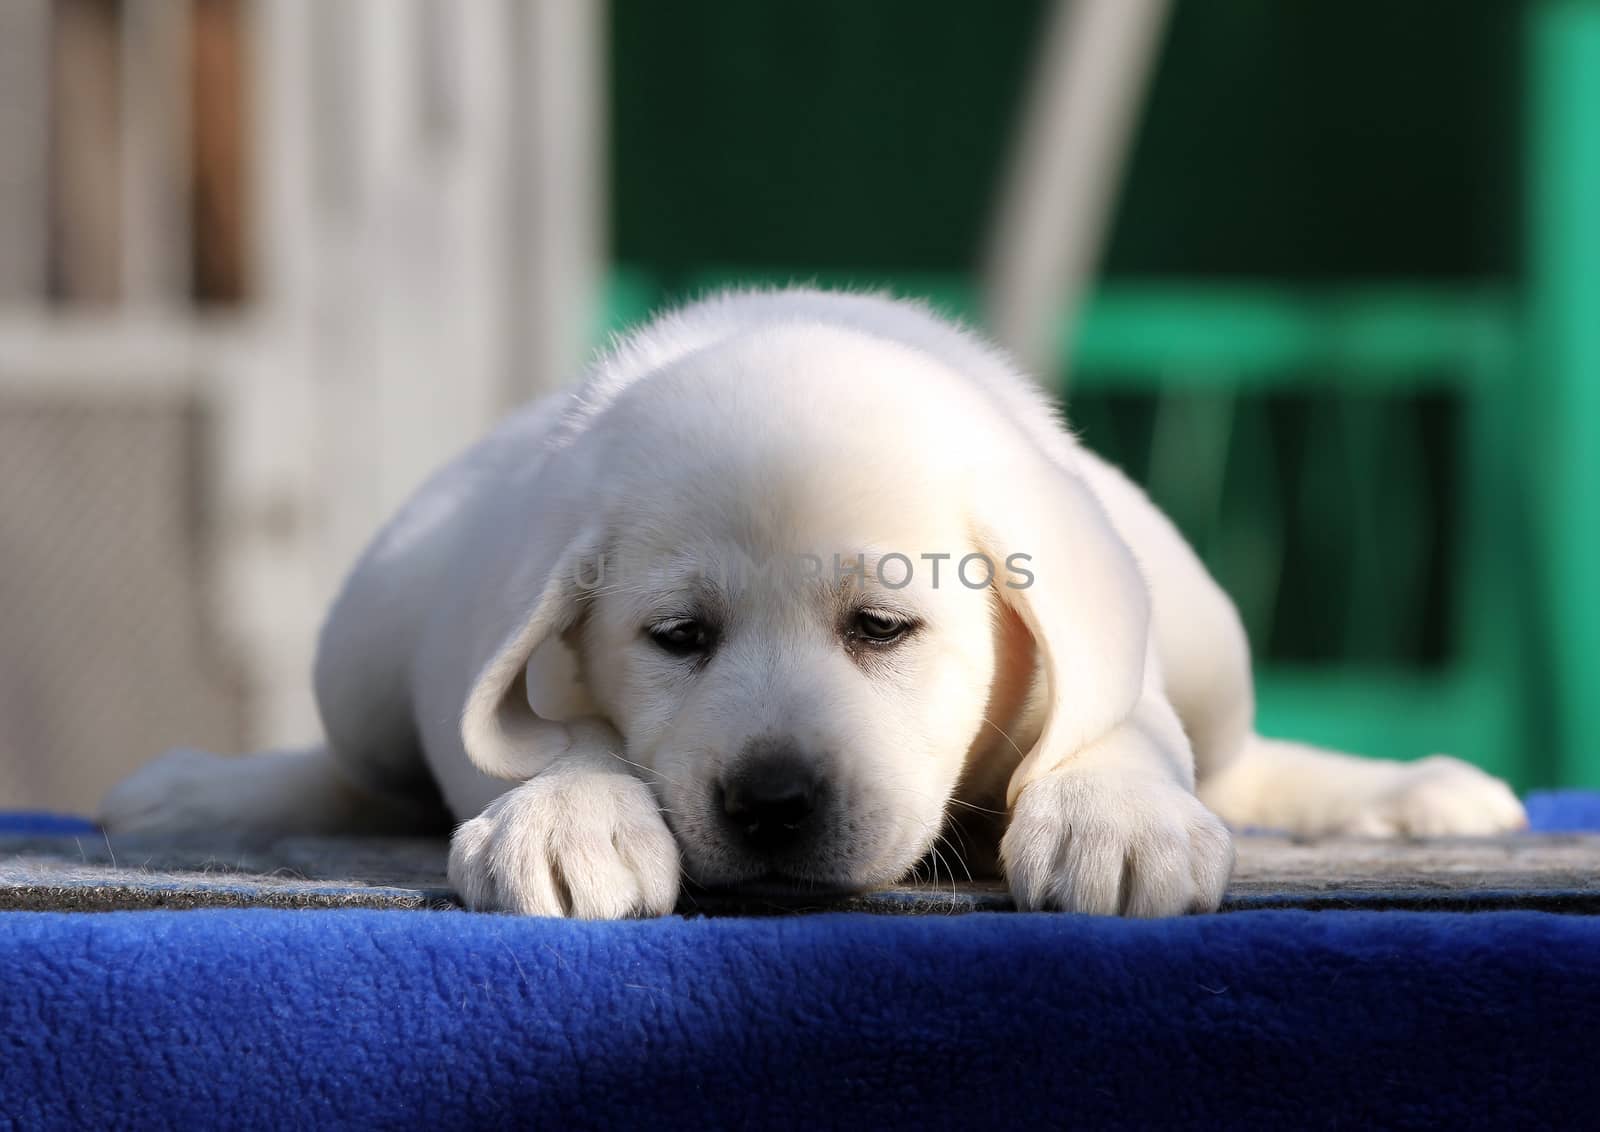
[
  {"x": 1440, "y": 797},
  {"x": 1110, "y": 844},
  {"x": 580, "y": 843}
]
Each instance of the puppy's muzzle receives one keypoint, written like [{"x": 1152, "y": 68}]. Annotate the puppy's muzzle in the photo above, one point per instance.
[{"x": 770, "y": 803}]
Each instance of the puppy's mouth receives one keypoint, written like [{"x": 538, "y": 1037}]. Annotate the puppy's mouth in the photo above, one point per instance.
[
  {"x": 774, "y": 891},
  {"x": 774, "y": 883},
  {"x": 938, "y": 864},
  {"x": 831, "y": 859},
  {"x": 756, "y": 877},
  {"x": 804, "y": 878}
]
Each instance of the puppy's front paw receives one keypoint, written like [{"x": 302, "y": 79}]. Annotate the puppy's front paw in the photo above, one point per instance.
[
  {"x": 574, "y": 841},
  {"x": 1438, "y": 797},
  {"x": 1106, "y": 843}
]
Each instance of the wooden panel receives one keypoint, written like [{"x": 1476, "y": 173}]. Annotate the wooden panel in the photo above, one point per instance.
[
  {"x": 221, "y": 144},
  {"x": 86, "y": 155},
  {"x": 24, "y": 148}
]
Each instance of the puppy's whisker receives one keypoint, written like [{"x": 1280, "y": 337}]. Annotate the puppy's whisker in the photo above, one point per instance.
[
  {"x": 976, "y": 808},
  {"x": 1005, "y": 736},
  {"x": 923, "y": 796},
  {"x": 959, "y": 855},
  {"x": 951, "y": 827},
  {"x": 939, "y": 858},
  {"x": 656, "y": 775}
]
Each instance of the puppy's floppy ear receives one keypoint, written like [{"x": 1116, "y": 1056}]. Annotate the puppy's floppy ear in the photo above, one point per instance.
[
  {"x": 556, "y": 689},
  {"x": 1086, "y": 604},
  {"x": 504, "y": 736}
]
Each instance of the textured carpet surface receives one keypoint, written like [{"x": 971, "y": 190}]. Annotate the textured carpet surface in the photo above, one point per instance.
[
  {"x": 352, "y": 1017},
  {"x": 264, "y": 1019}
]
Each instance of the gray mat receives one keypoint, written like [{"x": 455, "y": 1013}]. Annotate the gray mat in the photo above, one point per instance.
[{"x": 91, "y": 872}]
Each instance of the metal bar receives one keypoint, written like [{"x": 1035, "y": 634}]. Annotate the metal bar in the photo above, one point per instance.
[
  {"x": 1404, "y": 713},
  {"x": 1563, "y": 454},
  {"x": 1228, "y": 336}
]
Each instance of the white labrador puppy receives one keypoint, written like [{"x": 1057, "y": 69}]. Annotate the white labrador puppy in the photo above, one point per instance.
[{"x": 788, "y": 580}]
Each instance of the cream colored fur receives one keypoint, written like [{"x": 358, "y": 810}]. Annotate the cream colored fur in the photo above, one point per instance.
[{"x": 1102, "y": 714}]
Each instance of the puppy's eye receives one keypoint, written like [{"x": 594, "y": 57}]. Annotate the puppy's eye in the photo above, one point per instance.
[
  {"x": 682, "y": 637},
  {"x": 878, "y": 628}
]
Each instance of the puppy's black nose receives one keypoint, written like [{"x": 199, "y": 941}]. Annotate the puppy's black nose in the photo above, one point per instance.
[{"x": 769, "y": 801}]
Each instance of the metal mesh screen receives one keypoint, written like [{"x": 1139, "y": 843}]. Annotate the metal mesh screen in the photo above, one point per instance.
[{"x": 108, "y": 653}]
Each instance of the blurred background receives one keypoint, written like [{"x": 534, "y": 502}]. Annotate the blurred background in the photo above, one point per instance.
[{"x": 1325, "y": 277}]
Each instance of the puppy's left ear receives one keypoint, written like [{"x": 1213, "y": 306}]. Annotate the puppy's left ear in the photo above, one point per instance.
[
  {"x": 556, "y": 689},
  {"x": 1077, "y": 587},
  {"x": 524, "y": 708}
]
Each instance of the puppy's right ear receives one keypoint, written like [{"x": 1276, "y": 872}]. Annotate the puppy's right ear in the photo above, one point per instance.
[
  {"x": 1085, "y": 602},
  {"x": 503, "y": 735}
]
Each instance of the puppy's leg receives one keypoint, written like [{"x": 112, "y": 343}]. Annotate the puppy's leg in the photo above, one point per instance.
[
  {"x": 1205, "y": 661},
  {"x": 1276, "y": 784},
  {"x": 583, "y": 839},
  {"x": 1117, "y": 829},
  {"x": 282, "y": 792}
]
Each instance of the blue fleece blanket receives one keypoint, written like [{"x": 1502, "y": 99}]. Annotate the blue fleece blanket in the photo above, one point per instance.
[{"x": 254, "y": 1018}]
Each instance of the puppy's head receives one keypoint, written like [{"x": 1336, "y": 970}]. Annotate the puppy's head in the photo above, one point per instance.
[{"x": 800, "y": 604}]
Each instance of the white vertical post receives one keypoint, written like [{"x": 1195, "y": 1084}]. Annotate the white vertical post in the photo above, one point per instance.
[
  {"x": 413, "y": 289},
  {"x": 270, "y": 595},
  {"x": 1078, "y": 120},
  {"x": 429, "y": 180},
  {"x": 559, "y": 175}
]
